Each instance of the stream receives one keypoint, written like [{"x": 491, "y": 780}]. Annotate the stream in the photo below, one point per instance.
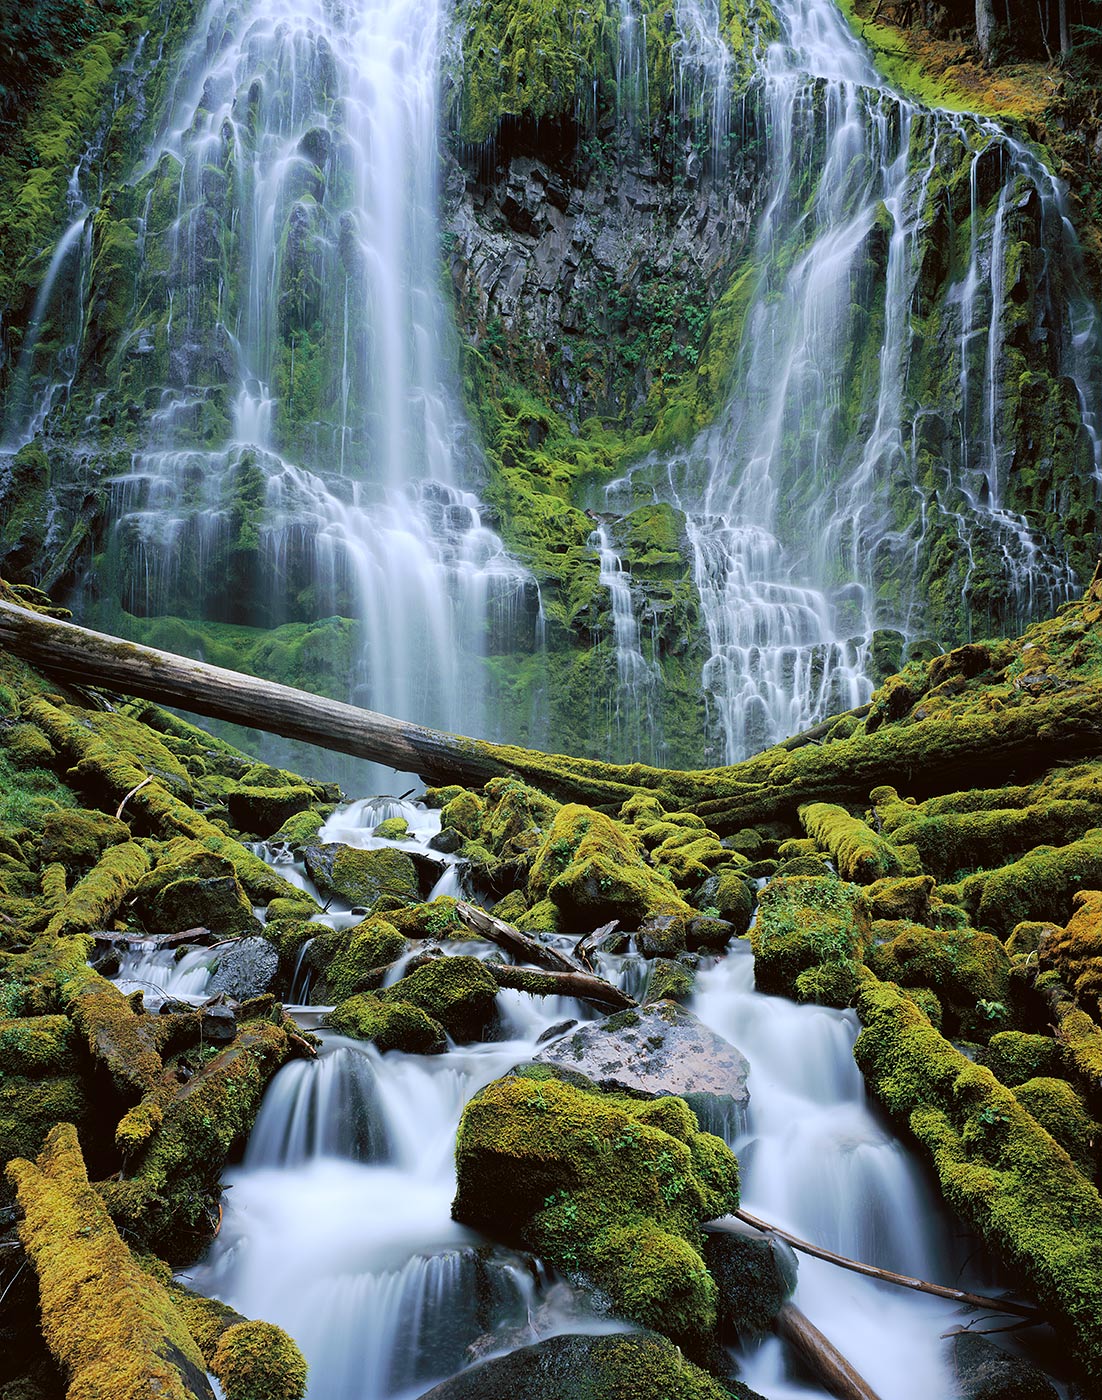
[{"x": 337, "y": 1221}]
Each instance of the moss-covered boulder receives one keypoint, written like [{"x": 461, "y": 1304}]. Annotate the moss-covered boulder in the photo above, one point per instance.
[
  {"x": 345, "y": 960},
  {"x": 592, "y": 869},
  {"x": 612, "y": 1186},
  {"x": 755, "y": 1273},
  {"x": 262, "y": 810},
  {"x": 361, "y": 878},
  {"x": 458, "y": 993},
  {"x": 637, "y": 1366},
  {"x": 1063, "y": 1115},
  {"x": 77, "y": 838},
  {"x": 810, "y": 936},
  {"x": 257, "y": 1361},
  {"x": 94, "y": 900},
  {"x": 969, "y": 971},
  {"x": 1041, "y": 885},
  {"x": 1074, "y": 952},
  {"x": 1015, "y": 1056},
  {"x": 390, "y": 1025},
  {"x": 193, "y": 887}
]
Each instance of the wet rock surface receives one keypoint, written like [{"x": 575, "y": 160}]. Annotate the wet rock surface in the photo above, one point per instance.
[
  {"x": 659, "y": 1049},
  {"x": 245, "y": 968}
]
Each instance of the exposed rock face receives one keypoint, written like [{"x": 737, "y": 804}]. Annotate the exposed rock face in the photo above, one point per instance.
[
  {"x": 573, "y": 259},
  {"x": 659, "y": 1049}
]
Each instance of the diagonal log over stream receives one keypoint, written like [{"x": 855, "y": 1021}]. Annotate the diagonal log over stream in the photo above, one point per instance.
[{"x": 945, "y": 747}]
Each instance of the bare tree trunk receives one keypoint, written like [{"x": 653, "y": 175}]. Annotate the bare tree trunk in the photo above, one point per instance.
[
  {"x": 823, "y": 1357},
  {"x": 985, "y": 28}
]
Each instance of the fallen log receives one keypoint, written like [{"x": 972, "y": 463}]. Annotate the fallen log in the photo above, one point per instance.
[
  {"x": 155, "y": 942},
  {"x": 583, "y": 985},
  {"x": 521, "y": 945},
  {"x": 937, "y": 754},
  {"x": 956, "y": 1295},
  {"x": 821, "y": 1355}
]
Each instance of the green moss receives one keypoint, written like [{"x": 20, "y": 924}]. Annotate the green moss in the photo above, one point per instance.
[
  {"x": 363, "y": 877},
  {"x": 1041, "y": 885},
  {"x": 901, "y": 898},
  {"x": 256, "y": 1361},
  {"x": 966, "y": 840},
  {"x": 585, "y": 1179},
  {"x": 810, "y": 924},
  {"x": 301, "y": 829},
  {"x": 1075, "y": 952},
  {"x": 592, "y": 869},
  {"x": 1063, "y": 1115},
  {"x": 93, "y": 902},
  {"x": 542, "y": 917},
  {"x": 968, "y": 970},
  {"x": 859, "y": 853},
  {"x": 669, "y": 981},
  {"x": 996, "y": 1165},
  {"x": 1015, "y": 1056},
  {"x": 35, "y": 1045},
  {"x": 393, "y": 829},
  {"x": 263, "y": 810},
  {"x": 193, "y": 887},
  {"x": 456, "y": 992},
  {"x": 463, "y": 812},
  {"x": 31, "y": 1107},
  {"x": 391, "y": 1025},
  {"x": 111, "y": 1327},
  {"x": 344, "y": 959}
]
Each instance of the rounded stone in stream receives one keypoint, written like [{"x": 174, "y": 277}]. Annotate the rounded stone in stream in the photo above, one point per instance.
[
  {"x": 639, "y": 1364},
  {"x": 755, "y": 1275},
  {"x": 655, "y": 1050},
  {"x": 245, "y": 968},
  {"x": 983, "y": 1371}
]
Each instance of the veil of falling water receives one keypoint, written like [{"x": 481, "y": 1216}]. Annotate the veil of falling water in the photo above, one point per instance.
[
  {"x": 807, "y": 519},
  {"x": 310, "y": 458}
]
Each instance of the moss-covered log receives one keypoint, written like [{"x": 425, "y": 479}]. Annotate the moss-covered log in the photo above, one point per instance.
[
  {"x": 113, "y": 1329},
  {"x": 1010, "y": 729}
]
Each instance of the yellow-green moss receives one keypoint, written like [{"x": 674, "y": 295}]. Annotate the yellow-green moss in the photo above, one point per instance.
[
  {"x": 859, "y": 853},
  {"x": 458, "y": 993},
  {"x": 34, "y": 1045},
  {"x": 391, "y": 1025},
  {"x": 593, "y": 1183},
  {"x": 345, "y": 959},
  {"x": 968, "y": 969},
  {"x": 257, "y": 1361},
  {"x": 591, "y": 867},
  {"x": 1041, "y": 885},
  {"x": 810, "y": 935},
  {"x": 92, "y": 903},
  {"x": 110, "y": 1325},
  {"x": 997, "y": 1166},
  {"x": 1063, "y": 1115},
  {"x": 1015, "y": 1056}
]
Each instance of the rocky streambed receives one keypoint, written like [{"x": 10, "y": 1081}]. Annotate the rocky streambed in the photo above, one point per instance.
[{"x": 458, "y": 1096}]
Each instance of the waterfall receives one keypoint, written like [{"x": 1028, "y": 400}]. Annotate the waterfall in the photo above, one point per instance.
[
  {"x": 816, "y": 504},
  {"x": 306, "y": 455},
  {"x": 338, "y": 1226},
  {"x": 635, "y": 722}
]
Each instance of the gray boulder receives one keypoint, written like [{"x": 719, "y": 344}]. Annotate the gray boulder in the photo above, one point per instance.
[
  {"x": 660, "y": 1049},
  {"x": 245, "y": 968},
  {"x": 984, "y": 1371},
  {"x": 755, "y": 1276}
]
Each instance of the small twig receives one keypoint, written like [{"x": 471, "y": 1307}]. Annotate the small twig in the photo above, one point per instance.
[
  {"x": 130, "y": 794},
  {"x": 956, "y": 1295}
]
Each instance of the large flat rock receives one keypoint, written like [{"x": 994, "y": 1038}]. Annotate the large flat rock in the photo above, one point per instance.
[{"x": 660, "y": 1049}]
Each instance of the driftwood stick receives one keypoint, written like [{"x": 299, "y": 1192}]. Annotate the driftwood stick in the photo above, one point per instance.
[
  {"x": 821, "y": 1355},
  {"x": 585, "y": 946},
  {"x": 956, "y": 1295},
  {"x": 513, "y": 941},
  {"x": 583, "y": 985}
]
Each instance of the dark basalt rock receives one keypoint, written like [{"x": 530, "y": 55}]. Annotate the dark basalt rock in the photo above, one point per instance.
[
  {"x": 642, "y": 1365},
  {"x": 246, "y": 968},
  {"x": 755, "y": 1275},
  {"x": 659, "y": 1049},
  {"x": 983, "y": 1371}
]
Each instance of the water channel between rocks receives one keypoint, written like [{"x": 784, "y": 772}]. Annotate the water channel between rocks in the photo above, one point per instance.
[{"x": 337, "y": 1222}]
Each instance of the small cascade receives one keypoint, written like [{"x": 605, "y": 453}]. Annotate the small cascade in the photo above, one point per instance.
[
  {"x": 632, "y": 80},
  {"x": 338, "y": 1226},
  {"x": 635, "y": 722},
  {"x": 164, "y": 973},
  {"x": 702, "y": 56},
  {"x": 816, "y": 1160}
]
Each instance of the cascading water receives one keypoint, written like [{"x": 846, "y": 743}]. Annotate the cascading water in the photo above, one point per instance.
[
  {"x": 306, "y": 458},
  {"x": 817, "y": 1162},
  {"x": 815, "y": 503},
  {"x": 635, "y": 724}
]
